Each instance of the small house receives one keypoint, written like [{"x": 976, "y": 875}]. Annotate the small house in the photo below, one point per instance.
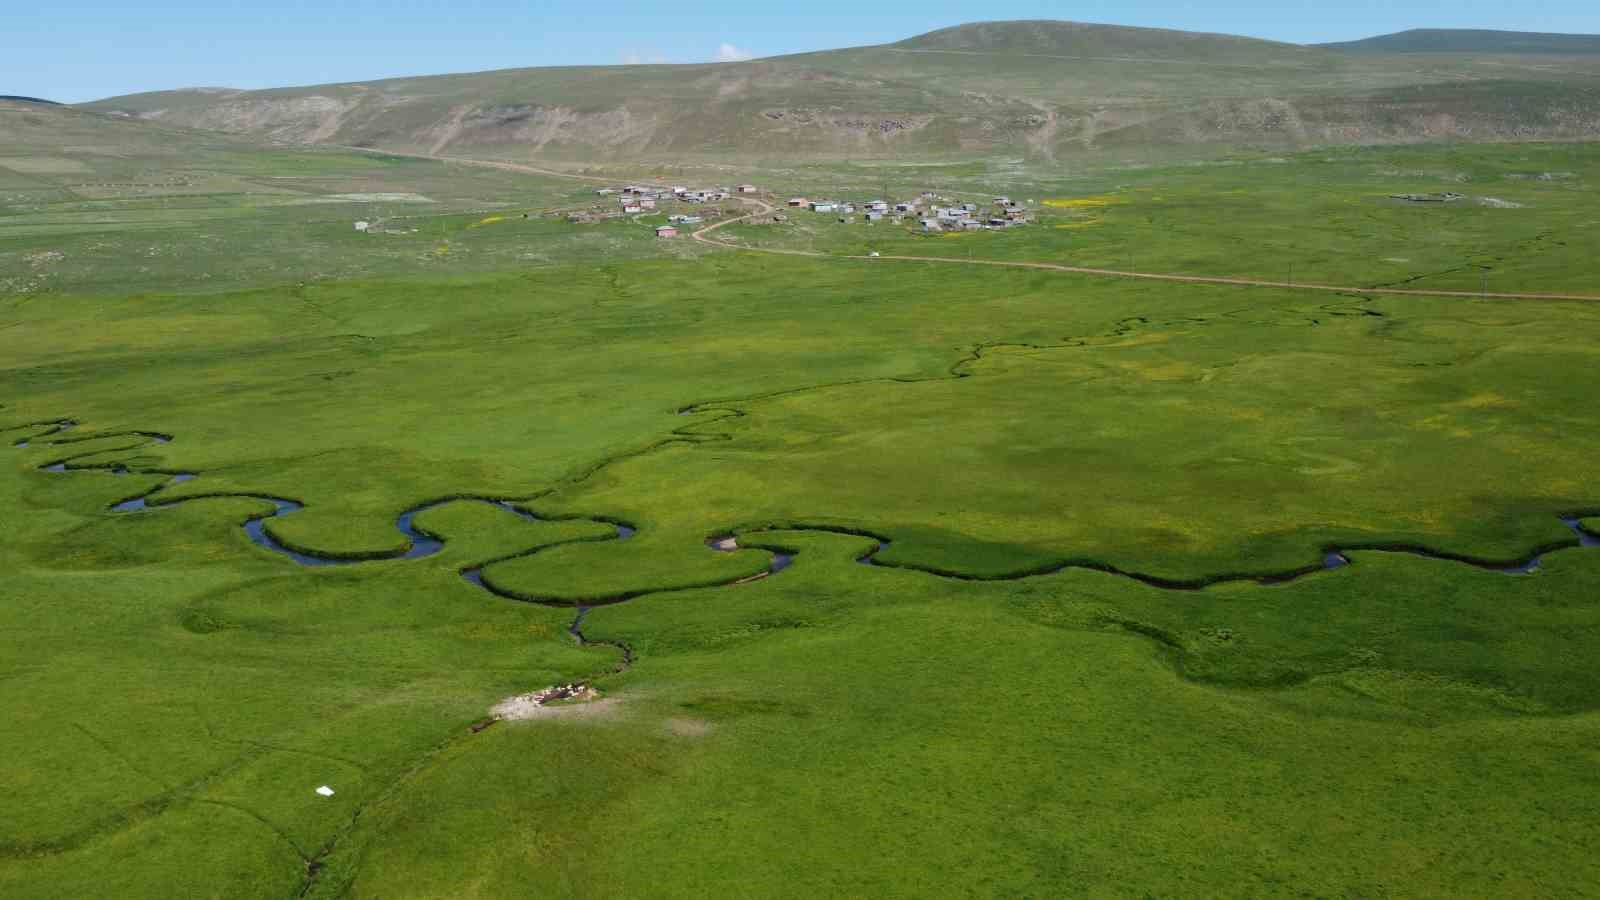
[
  {"x": 667, "y": 231},
  {"x": 1002, "y": 201},
  {"x": 875, "y": 216},
  {"x": 631, "y": 208},
  {"x": 823, "y": 206},
  {"x": 363, "y": 226},
  {"x": 904, "y": 207},
  {"x": 647, "y": 203},
  {"x": 746, "y": 189},
  {"x": 798, "y": 203},
  {"x": 931, "y": 225},
  {"x": 878, "y": 206}
]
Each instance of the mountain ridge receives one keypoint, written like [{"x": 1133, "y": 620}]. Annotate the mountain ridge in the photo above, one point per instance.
[
  {"x": 1471, "y": 40},
  {"x": 1036, "y": 88}
]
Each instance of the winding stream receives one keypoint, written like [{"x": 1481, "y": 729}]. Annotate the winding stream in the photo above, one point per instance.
[{"x": 421, "y": 543}]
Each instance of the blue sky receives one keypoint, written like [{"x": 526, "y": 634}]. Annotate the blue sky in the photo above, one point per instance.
[{"x": 74, "y": 50}]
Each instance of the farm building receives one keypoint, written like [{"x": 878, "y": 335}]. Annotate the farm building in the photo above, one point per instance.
[
  {"x": 746, "y": 189},
  {"x": 631, "y": 208},
  {"x": 823, "y": 206},
  {"x": 667, "y": 231},
  {"x": 798, "y": 202}
]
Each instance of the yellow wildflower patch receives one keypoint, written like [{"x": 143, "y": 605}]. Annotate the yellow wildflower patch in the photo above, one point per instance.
[
  {"x": 1487, "y": 400},
  {"x": 487, "y": 220},
  {"x": 1084, "y": 202}
]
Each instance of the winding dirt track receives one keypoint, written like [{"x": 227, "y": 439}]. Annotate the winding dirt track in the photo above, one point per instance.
[{"x": 703, "y": 235}]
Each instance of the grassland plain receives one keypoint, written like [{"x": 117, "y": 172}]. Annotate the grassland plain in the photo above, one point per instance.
[
  {"x": 1403, "y": 726},
  {"x": 1525, "y": 217},
  {"x": 94, "y": 204}
]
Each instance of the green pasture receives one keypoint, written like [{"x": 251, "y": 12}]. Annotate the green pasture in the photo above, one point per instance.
[
  {"x": 1525, "y": 221},
  {"x": 961, "y": 718}
]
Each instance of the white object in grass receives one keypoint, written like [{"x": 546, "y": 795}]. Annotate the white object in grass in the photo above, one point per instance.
[{"x": 325, "y": 791}]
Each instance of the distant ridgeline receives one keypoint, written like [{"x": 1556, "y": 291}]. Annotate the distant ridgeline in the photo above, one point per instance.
[
  {"x": 1037, "y": 89},
  {"x": 17, "y": 99},
  {"x": 1470, "y": 40}
]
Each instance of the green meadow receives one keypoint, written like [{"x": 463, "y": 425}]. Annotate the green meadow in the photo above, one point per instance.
[
  {"x": 1523, "y": 221},
  {"x": 1072, "y": 670}
]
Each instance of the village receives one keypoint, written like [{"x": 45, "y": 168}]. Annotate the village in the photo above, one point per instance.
[{"x": 930, "y": 211}]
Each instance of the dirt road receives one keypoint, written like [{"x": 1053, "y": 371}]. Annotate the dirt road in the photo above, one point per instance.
[{"x": 703, "y": 235}]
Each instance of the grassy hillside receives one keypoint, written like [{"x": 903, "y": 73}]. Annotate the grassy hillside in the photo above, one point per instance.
[
  {"x": 90, "y": 202},
  {"x": 1047, "y": 37},
  {"x": 1469, "y": 40},
  {"x": 1032, "y": 89}
]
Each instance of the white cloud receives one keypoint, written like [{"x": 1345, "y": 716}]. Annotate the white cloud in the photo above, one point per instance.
[{"x": 729, "y": 53}]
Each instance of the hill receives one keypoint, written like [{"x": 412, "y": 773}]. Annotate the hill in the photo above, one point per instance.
[
  {"x": 1468, "y": 40},
  {"x": 1080, "y": 39},
  {"x": 1039, "y": 89}
]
